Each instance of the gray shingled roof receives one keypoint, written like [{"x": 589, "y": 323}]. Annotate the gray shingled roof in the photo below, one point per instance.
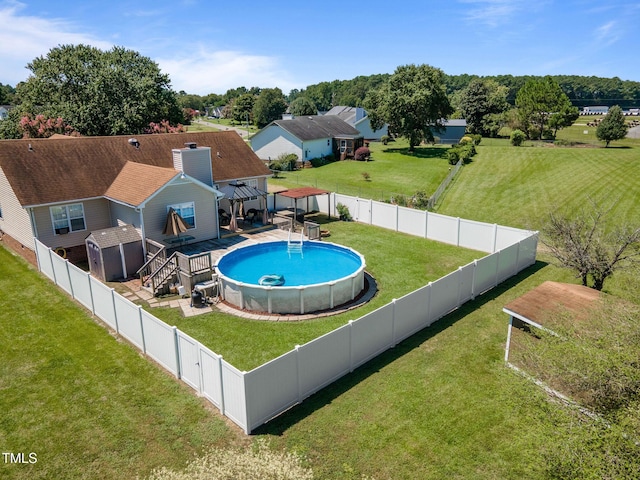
[
  {"x": 110, "y": 237},
  {"x": 318, "y": 126}
]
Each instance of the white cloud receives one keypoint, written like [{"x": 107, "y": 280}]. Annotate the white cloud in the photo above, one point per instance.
[
  {"x": 202, "y": 71},
  {"x": 491, "y": 12},
  {"x": 23, "y": 38},
  {"x": 608, "y": 33}
]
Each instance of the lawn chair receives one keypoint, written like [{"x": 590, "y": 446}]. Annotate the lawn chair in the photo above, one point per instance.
[
  {"x": 251, "y": 215},
  {"x": 224, "y": 217}
]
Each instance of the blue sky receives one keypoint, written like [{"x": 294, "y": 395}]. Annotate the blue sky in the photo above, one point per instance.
[{"x": 210, "y": 46}]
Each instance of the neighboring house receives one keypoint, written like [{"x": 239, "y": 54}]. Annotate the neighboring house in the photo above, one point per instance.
[
  {"x": 453, "y": 132},
  {"x": 4, "y": 111},
  {"x": 308, "y": 137},
  {"x": 357, "y": 117},
  {"x": 60, "y": 190}
]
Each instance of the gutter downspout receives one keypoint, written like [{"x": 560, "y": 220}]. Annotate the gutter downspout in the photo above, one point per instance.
[
  {"x": 32, "y": 219},
  {"x": 144, "y": 236}
]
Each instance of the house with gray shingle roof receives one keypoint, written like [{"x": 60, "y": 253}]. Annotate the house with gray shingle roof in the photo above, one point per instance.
[
  {"x": 308, "y": 137},
  {"x": 357, "y": 117},
  {"x": 61, "y": 189}
]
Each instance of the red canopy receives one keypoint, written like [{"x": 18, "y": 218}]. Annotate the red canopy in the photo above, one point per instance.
[{"x": 303, "y": 192}]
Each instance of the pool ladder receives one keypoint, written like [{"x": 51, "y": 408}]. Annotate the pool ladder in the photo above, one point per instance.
[{"x": 293, "y": 244}]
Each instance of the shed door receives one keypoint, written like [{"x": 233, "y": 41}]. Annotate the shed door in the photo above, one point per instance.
[{"x": 95, "y": 260}]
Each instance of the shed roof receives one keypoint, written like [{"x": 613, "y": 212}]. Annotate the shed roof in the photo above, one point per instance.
[
  {"x": 315, "y": 127},
  {"x": 111, "y": 237},
  {"x": 52, "y": 170},
  {"x": 549, "y": 298}
]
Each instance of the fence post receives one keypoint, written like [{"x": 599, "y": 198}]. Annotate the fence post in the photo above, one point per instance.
[
  {"x": 144, "y": 342},
  {"x": 177, "y": 351},
  {"x": 93, "y": 303},
  {"x": 298, "y": 382},
  {"x": 393, "y": 323},
  {"x": 370, "y": 211},
  {"x": 458, "y": 234},
  {"x": 473, "y": 279},
  {"x": 350, "y": 346},
  {"x": 220, "y": 384},
  {"x": 426, "y": 224},
  {"x": 115, "y": 311},
  {"x": 495, "y": 237},
  {"x": 429, "y": 322}
]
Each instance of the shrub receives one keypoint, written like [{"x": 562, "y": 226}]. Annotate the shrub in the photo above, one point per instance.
[
  {"x": 366, "y": 176},
  {"x": 384, "y": 139},
  {"x": 319, "y": 162},
  {"x": 466, "y": 139},
  {"x": 285, "y": 162},
  {"x": 477, "y": 138},
  {"x": 362, "y": 153},
  {"x": 517, "y": 138},
  {"x": 343, "y": 212},
  {"x": 421, "y": 200},
  {"x": 462, "y": 151}
]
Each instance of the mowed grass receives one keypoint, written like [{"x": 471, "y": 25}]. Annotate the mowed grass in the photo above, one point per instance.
[
  {"x": 87, "y": 405},
  {"x": 392, "y": 171},
  {"x": 247, "y": 344},
  {"x": 439, "y": 405},
  {"x": 519, "y": 186}
]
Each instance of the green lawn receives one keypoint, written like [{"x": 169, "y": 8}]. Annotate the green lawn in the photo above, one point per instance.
[
  {"x": 392, "y": 171},
  {"x": 247, "y": 344},
  {"x": 439, "y": 405},
  {"x": 87, "y": 405}
]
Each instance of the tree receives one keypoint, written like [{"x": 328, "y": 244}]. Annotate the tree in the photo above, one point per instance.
[
  {"x": 269, "y": 106},
  {"x": 612, "y": 126},
  {"x": 538, "y": 100},
  {"x": 99, "y": 93},
  {"x": 242, "y": 109},
  {"x": 584, "y": 244},
  {"x": 413, "y": 102},
  {"x": 302, "y": 106},
  {"x": 41, "y": 127},
  {"x": 482, "y": 104}
]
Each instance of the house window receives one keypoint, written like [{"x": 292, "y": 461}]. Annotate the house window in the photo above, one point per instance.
[
  {"x": 187, "y": 211},
  {"x": 252, "y": 182},
  {"x": 67, "y": 218}
]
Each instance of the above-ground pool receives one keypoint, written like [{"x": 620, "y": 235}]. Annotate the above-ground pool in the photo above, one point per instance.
[{"x": 276, "y": 278}]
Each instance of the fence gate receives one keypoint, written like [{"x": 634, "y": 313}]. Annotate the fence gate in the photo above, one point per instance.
[{"x": 189, "y": 361}]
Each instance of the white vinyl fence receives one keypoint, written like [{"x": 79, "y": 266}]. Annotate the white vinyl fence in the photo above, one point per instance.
[{"x": 251, "y": 398}]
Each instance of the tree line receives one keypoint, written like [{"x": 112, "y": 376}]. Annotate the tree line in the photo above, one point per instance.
[{"x": 81, "y": 89}]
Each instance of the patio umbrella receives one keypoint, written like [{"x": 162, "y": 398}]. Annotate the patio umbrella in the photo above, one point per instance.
[{"x": 175, "y": 225}]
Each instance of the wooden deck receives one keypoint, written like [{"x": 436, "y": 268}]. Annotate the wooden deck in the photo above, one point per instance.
[{"x": 219, "y": 247}]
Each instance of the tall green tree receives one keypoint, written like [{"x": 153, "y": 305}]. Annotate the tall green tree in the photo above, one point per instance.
[
  {"x": 303, "y": 106},
  {"x": 242, "y": 108},
  {"x": 537, "y": 101},
  {"x": 482, "y": 104},
  {"x": 612, "y": 127},
  {"x": 269, "y": 106},
  {"x": 413, "y": 102},
  {"x": 99, "y": 92}
]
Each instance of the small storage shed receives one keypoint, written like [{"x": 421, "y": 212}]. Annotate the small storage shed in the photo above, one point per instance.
[{"x": 114, "y": 252}]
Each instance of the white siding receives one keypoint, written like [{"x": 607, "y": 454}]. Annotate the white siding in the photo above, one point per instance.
[
  {"x": 321, "y": 147},
  {"x": 96, "y": 217},
  {"x": 15, "y": 220},
  {"x": 155, "y": 211},
  {"x": 364, "y": 127},
  {"x": 272, "y": 141}
]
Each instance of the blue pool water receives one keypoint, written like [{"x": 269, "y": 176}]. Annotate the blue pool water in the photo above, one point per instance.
[{"x": 319, "y": 262}]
